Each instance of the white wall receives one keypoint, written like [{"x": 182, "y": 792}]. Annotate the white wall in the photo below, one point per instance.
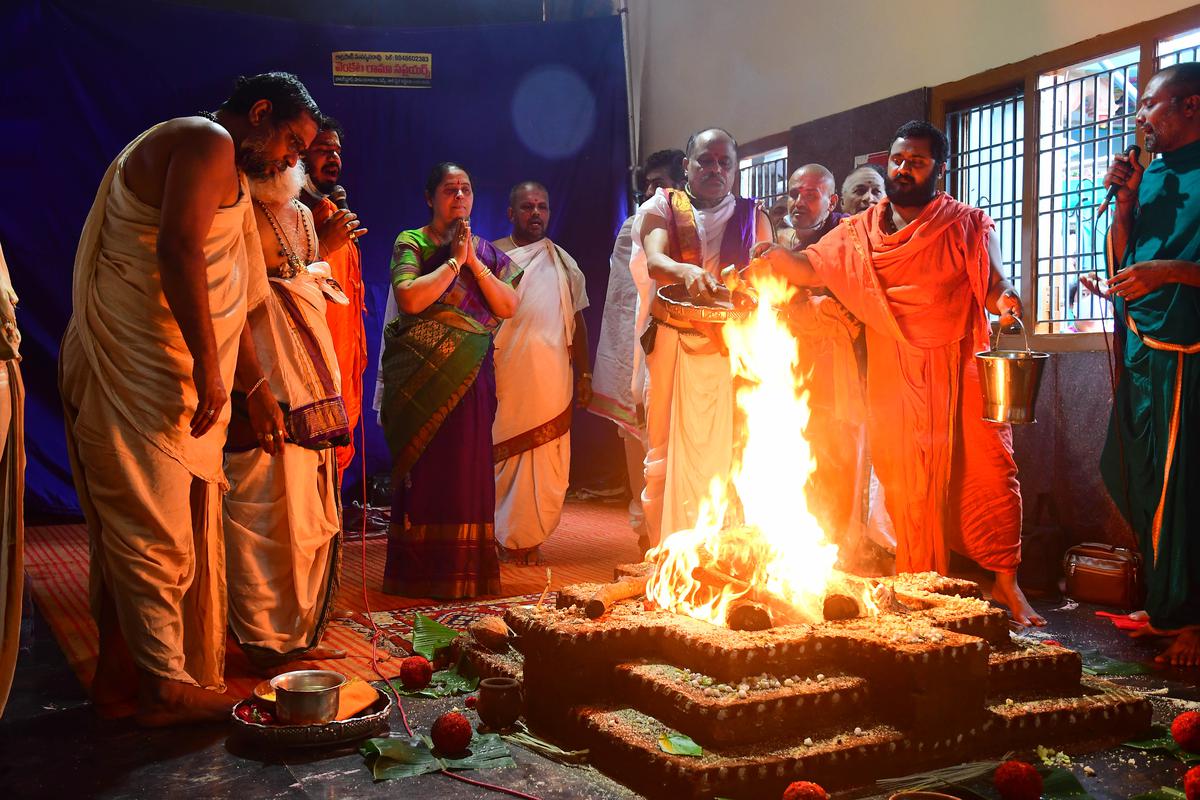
[{"x": 758, "y": 67}]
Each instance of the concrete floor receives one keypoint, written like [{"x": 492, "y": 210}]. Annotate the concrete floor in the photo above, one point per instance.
[{"x": 53, "y": 746}]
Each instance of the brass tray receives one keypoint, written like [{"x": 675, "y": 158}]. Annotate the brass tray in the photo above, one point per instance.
[
  {"x": 370, "y": 721},
  {"x": 723, "y": 306}
]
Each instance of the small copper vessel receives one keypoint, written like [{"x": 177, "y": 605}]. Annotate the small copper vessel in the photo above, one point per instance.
[{"x": 499, "y": 702}]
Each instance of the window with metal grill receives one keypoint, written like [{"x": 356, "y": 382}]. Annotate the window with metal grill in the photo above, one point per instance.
[
  {"x": 986, "y": 167},
  {"x": 1085, "y": 117}
]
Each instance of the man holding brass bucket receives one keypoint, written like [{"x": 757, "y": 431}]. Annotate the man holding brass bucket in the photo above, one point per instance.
[
  {"x": 920, "y": 271},
  {"x": 1149, "y": 459}
]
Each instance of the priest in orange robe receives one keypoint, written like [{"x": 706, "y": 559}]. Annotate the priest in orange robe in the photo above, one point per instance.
[
  {"x": 920, "y": 271},
  {"x": 338, "y": 230}
]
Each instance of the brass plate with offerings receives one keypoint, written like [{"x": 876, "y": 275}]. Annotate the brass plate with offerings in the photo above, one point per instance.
[{"x": 723, "y": 305}]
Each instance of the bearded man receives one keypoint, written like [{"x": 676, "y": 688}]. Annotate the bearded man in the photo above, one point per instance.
[
  {"x": 1155, "y": 247},
  {"x": 338, "y": 230},
  {"x": 921, "y": 270},
  {"x": 687, "y": 237},
  {"x": 281, "y": 511},
  {"x": 168, "y": 264}
]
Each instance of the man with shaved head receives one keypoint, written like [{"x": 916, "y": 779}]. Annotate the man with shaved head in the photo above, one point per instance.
[
  {"x": 535, "y": 353},
  {"x": 827, "y": 335},
  {"x": 862, "y": 189},
  {"x": 1149, "y": 460},
  {"x": 812, "y": 206},
  {"x": 686, "y": 237}
]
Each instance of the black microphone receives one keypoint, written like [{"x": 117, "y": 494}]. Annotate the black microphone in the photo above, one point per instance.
[
  {"x": 1134, "y": 154},
  {"x": 338, "y": 196}
]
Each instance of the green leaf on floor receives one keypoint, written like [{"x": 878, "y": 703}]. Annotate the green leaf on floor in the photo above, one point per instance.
[
  {"x": 1096, "y": 663},
  {"x": 488, "y": 751},
  {"x": 679, "y": 745},
  {"x": 429, "y": 636},
  {"x": 405, "y": 758},
  {"x": 1061, "y": 784},
  {"x": 444, "y": 683},
  {"x": 1162, "y": 793},
  {"x": 1160, "y": 741},
  {"x": 398, "y": 758}
]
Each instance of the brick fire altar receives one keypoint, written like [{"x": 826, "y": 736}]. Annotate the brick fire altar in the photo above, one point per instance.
[{"x": 934, "y": 680}]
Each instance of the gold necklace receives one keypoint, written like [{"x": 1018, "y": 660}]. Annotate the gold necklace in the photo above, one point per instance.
[{"x": 293, "y": 265}]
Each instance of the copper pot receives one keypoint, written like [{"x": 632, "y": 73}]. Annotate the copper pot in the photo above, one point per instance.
[{"x": 499, "y": 702}]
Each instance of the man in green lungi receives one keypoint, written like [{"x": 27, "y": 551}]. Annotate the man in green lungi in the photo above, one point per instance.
[{"x": 1151, "y": 460}]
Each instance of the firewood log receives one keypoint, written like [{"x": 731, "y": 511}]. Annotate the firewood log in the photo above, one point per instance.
[
  {"x": 610, "y": 593},
  {"x": 746, "y": 615}
]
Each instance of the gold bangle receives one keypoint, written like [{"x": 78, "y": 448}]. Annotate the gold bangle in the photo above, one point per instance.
[
  {"x": 452, "y": 263},
  {"x": 483, "y": 273},
  {"x": 254, "y": 388}
]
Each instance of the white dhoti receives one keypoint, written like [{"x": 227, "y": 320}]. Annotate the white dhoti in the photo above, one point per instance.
[
  {"x": 534, "y": 390},
  {"x": 689, "y": 425},
  {"x": 149, "y": 490},
  {"x": 281, "y": 532},
  {"x": 281, "y": 514}
]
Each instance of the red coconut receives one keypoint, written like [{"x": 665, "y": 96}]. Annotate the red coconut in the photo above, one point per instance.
[
  {"x": 451, "y": 733},
  {"x": 1191, "y": 783},
  {"x": 804, "y": 790},
  {"x": 1016, "y": 780},
  {"x": 1185, "y": 730},
  {"x": 415, "y": 672}
]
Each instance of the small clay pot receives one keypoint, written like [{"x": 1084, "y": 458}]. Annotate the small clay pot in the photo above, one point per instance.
[{"x": 499, "y": 702}]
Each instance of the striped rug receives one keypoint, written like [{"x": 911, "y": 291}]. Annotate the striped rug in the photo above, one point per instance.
[{"x": 591, "y": 539}]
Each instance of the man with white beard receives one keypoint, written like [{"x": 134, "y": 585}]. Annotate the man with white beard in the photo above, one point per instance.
[{"x": 281, "y": 515}]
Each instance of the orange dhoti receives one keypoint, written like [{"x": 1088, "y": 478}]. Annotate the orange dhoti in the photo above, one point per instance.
[
  {"x": 948, "y": 475},
  {"x": 346, "y": 328}
]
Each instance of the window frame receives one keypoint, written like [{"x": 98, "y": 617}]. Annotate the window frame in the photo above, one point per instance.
[{"x": 964, "y": 93}]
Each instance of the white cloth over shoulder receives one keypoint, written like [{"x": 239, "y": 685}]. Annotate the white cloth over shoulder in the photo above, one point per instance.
[
  {"x": 710, "y": 227},
  {"x": 534, "y": 387}
]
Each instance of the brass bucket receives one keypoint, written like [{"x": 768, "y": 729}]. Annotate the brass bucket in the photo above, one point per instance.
[{"x": 1010, "y": 380}]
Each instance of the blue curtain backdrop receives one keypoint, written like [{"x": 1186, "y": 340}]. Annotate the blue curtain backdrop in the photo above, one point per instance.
[{"x": 526, "y": 101}]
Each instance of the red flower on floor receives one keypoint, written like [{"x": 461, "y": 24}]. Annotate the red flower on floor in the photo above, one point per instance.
[
  {"x": 451, "y": 733},
  {"x": 1016, "y": 780},
  {"x": 1191, "y": 784},
  {"x": 804, "y": 790},
  {"x": 415, "y": 672},
  {"x": 1185, "y": 730}
]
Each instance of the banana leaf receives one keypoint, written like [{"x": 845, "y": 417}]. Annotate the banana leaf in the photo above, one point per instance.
[
  {"x": 405, "y": 758},
  {"x": 1162, "y": 793},
  {"x": 1061, "y": 784},
  {"x": 429, "y": 636},
  {"x": 678, "y": 744},
  {"x": 1096, "y": 663},
  {"x": 444, "y": 683},
  {"x": 1161, "y": 741}
]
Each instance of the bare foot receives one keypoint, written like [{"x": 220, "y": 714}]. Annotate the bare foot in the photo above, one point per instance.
[
  {"x": 1007, "y": 593},
  {"x": 115, "y": 685},
  {"x": 1140, "y": 616},
  {"x": 324, "y": 653},
  {"x": 164, "y": 702},
  {"x": 1184, "y": 651}
]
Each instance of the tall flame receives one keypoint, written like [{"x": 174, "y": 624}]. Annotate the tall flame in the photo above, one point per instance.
[{"x": 779, "y": 550}]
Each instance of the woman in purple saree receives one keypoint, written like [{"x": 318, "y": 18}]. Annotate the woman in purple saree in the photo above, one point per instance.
[{"x": 439, "y": 398}]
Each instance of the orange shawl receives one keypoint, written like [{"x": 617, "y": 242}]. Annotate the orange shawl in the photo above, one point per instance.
[{"x": 921, "y": 292}]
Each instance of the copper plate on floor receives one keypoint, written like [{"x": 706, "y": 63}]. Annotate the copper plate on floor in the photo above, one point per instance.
[{"x": 370, "y": 721}]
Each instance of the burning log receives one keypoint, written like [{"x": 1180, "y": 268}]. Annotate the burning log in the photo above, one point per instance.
[
  {"x": 611, "y": 593},
  {"x": 780, "y": 611},
  {"x": 840, "y": 606},
  {"x": 746, "y": 615}
]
